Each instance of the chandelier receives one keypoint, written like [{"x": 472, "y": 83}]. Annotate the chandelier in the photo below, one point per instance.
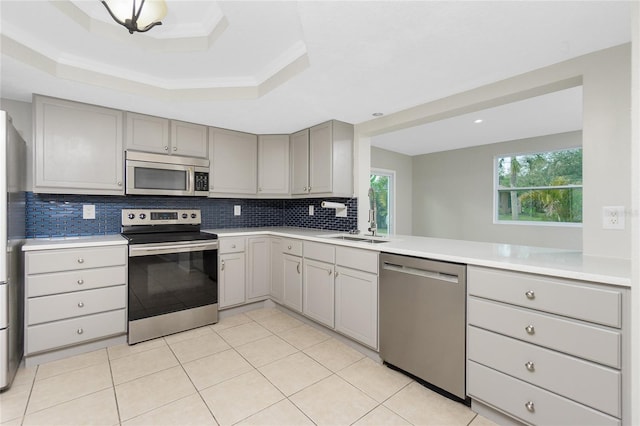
[{"x": 131, "y": 15}]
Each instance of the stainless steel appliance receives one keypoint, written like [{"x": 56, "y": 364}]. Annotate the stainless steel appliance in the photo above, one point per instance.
[
  {"x": 173, "y": 272},
  {"x": 12, "y": 234},
  {"x": 422, "y": 320},
  {"x": 158, "y": 174}
]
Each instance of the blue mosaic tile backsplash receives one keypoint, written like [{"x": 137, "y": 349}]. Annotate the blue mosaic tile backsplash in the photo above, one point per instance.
[{"x": 53, "y": 215}]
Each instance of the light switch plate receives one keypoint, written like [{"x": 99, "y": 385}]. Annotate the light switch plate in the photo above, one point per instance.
[
  {"x": 236, "y": 210},
  {"x": 88, "y": 211},
  {"x": 311, "y": 210}
]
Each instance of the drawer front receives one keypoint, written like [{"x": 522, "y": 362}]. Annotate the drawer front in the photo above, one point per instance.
[
  {"x": 318, "y": 251},
  {"x": 584, "y": 302},
  {"x": 575, "y": 338},
  {"x": 582, "y": 381},
  {"x": 70, "y": 305},
  {"x": 73, "y": 331},
  {"x": 39, "y": 262},
  {"x": 231, "y": 245},
  {"x": 511, "y": 395},
  {"x": 84, "y": 279},
  {"x": 364, "y": 260},
  {"x": 293, "y": 247}
]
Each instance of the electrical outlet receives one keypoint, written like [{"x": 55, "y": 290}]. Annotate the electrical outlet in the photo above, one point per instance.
[
  {"x": 311, "y": 210},
  {"x": 236, "y": 210},
  {"x": 88, "y": 211},
  {"x": 613, "y": 217}
]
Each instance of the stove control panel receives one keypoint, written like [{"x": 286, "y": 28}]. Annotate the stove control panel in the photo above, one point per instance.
[{"x": 160, "y": 217}]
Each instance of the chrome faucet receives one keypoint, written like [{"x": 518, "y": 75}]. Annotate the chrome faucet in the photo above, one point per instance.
[{"x": 373, "y": 226}]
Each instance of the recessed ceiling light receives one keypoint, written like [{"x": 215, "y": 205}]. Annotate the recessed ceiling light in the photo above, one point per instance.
[
  {"x": 377, "y": 114},
  {"x": 478, "y": 121}
]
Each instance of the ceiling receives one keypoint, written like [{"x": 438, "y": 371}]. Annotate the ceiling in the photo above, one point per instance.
[{"x": 278, "y": 67}]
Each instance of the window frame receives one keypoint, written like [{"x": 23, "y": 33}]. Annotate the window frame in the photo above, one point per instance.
[
  {"x": 496, "y": 192},
  {"x": 391, "y": 212}
]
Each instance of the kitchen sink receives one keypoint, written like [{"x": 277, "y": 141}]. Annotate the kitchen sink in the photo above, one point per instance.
[{"x": 357, "y": 238}]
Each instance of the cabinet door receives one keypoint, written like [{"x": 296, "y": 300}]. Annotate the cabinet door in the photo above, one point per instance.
[
  {"x": 292, "y": 282},
  {"x": 321, "y": 158},
  {"x": 357, "y": 305},
  {"x": 231, "y": 279},
  {"x": 277, "y": 269},
  {"x": 78, "y": 148},
  {"x": 259, "y": 268},
  {"x": 273, "y": 164},
  {"x": 147, "y": 133},
  {"x": 318, "y": 291},
  {"x": 300, "y": 162},
  {"x": 234, "y": 161},
  {"x": 189, "y": 139}
]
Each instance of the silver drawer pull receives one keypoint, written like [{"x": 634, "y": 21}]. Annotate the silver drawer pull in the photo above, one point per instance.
[
  {"x": 80, "y": 281},
  {"x": 304, "y": 189},
  {"x": 530, "y": 295},
  {"x": 530, "y": 407},
  {"x": 80, "y": 260},
  {"x": 222, "y": 266},
  {"x": 80, "y": 305},
  {"x": 530, "y": 329},
  {"x": 79, "y": 331},
  {"x": 530, "y": 366},
  {"x": 329, "y": 271},
  {"x": 336, "y": 274},
  {"x": 298, "y": 268}
]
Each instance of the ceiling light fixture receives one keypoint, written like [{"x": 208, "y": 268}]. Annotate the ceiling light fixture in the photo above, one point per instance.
[
  {"x": 129, "y": 13},
  {"x": 478, "y": 121}
]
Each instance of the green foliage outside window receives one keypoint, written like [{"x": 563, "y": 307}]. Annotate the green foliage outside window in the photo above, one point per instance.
[{"x": 380, "y": 185}]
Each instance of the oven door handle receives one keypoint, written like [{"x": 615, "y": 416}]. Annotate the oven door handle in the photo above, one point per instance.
[{"x": 176, "y": 248}]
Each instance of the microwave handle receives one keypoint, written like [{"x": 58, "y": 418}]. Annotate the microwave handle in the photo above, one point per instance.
[{"x": 191, "y": 181}]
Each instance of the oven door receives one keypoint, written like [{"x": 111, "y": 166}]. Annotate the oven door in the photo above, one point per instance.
[
  {"x": 149, "y": 178},
  {"x": 167, "y": 278}
]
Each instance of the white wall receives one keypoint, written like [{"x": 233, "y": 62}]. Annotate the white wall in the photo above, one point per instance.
[
  {"x": 402, "y": 165},
  {"x": 605, "y": 77},
  {"x": 453, "y": 195}
]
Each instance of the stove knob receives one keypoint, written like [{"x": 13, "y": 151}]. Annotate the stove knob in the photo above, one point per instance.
[
  {"x": 184, "y": 215},
  {"x": 131, "y": 216},
  {"x": 193, "y": 215},
  {"x": 142, "y": 215}
]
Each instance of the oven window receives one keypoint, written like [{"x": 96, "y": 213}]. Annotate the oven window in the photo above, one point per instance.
[
  {"x": 148, "y": 178},
  {"x": 165, "y": 283}
]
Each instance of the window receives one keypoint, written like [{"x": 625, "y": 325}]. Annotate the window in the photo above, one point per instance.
[
  {"x": 383, "y": 184},
  {"x": 543, "y": 187}
]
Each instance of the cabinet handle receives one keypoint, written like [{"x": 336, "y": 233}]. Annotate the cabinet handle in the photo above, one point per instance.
[
  {"x": 79, "y": 331},
  {"x": 329, "y": 271},
  {"x": 298, "y": 268},
  {"x": 530, "y": 366},
  {"x": 304, "y": 189},
  {"x": 530, "y": 295},
  {"x": 233, "y": 246},
  {"x": 336, "y": 274},
  {"x": 289, "y": 247},
  {"x": 309, "y": 189},
  {"x": 222, "y": 266},
  {"x": 530, "y": 407},
  {"x": 80, "y": 305},
  {"x": 259, "y": 189},
  {"x": 175, "y": 148},
  {"x": 530, "y": 329},
  {"x": 119, "y": 183},
  {"x": 166, "y": 148},
  {"x": 80, "y": 281},
  {"x": 80, "y": 260}
]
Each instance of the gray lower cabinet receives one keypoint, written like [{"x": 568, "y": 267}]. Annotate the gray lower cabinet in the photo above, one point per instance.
[
  {"x": 74, "y": 296},
  {"x": 545, "y": 350},
  {"x": 231, "y": 272}
]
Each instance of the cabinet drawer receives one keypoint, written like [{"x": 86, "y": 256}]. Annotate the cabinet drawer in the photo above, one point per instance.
[
  {"x": 318, "y": 251},
  {"x": 582, "y": 381},
  {"x": 75, "y": 304},
  {"x": 573, "y": 337},
  {"x": 73, "y": 259},
  {"x": 84, "y": 279},
  {"x": 364, "y": 260},
  {"x": 562, "y": 297},
  {"x": 77, "y": 330},
  {"x": 231, "y": 245},
  {"x": 511, "y": 395},
  {"x": 293, "y": 247}
]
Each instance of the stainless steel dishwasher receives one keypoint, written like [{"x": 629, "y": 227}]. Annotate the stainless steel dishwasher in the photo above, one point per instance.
[{"x": 422, "y": 320}]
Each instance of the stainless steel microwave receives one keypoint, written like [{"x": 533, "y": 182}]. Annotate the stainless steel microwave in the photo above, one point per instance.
[{"x": 159, "y": 174}]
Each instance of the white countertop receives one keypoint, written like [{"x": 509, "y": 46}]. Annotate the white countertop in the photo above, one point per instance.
[
  {"x": 73, "y": 242},
  {"x": 547, "y": 261}
]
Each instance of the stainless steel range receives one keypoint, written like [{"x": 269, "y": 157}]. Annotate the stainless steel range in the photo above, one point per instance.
[{"x": 173, "y": 272}]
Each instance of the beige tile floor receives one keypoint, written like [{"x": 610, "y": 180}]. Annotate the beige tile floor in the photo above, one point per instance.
[{"x": 261, "y": 367}]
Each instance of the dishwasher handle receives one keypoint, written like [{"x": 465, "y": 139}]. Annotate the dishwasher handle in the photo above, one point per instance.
[{"x": 403, "y": 269}]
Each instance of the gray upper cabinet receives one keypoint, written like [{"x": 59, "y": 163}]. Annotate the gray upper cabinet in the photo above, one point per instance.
[
  {"x": 77, "y": 148},
  {"x": 161, "y": 135},
  {"x": 328, "y": 153},
  {"x": 273, "y": 164},
  {"x": 233, "y": 162}
]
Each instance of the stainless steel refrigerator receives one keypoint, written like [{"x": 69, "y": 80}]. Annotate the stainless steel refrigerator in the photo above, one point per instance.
[{"x": 12, "y": 235}]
